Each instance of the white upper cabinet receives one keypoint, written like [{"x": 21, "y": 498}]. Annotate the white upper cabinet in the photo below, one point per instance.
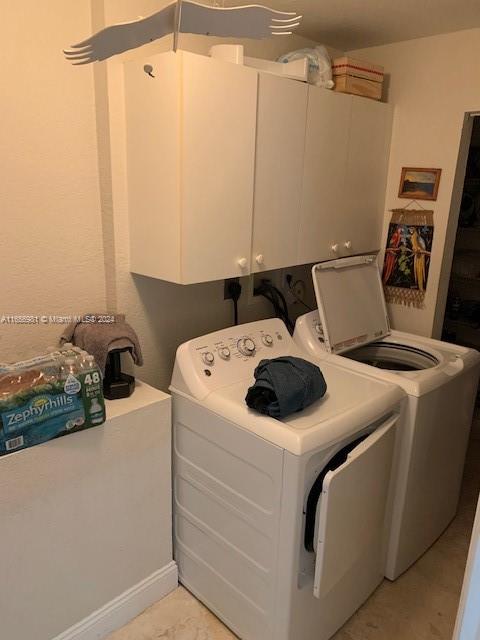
[
  {"x": 190, "y": 159},
  {"x": 232, "y": 171},
  {"x": 346, "y": 157},
  {"x": 218, "y": 145},
  {"x": 281, "y": 118},
  {"x": 324, "y": 201},
  {"x": 367, "y": 165}
]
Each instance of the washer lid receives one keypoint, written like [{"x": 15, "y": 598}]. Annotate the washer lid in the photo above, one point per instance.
[{"x": 350, "y": 302}]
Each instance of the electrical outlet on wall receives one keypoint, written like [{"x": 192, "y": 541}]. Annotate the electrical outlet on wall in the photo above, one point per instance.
[
  {"x": 286, "y": 280},
  {"x": 255, "y": 279},
  {"x": 293, "y": 285},
  {"x": 291, "y": 282},
  {"x": 226, "y": 292},
  {"x": 298, "y": 289}
]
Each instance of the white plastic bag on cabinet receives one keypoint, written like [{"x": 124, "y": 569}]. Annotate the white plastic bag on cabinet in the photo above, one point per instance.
[{"x": 319, "y": 65}]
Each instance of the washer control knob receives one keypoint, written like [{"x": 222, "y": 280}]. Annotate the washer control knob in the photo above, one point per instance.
[
  {"x": 208, "y": 357},
  {"x": 347, "y": 244},
  {"x": 260, "y": 259},
  {"x": 224, "y": 353},
  {"x": 242, "y": 263},
  {"x": 334, "y": 248},
  {"x": 246, "y": 346},
  {"x": 267, "y": 340}
]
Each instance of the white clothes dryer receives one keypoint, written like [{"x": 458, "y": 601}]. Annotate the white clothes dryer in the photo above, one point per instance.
[
  {"x": 352, "y": 327},
  {"x": 280, "y": 526}
]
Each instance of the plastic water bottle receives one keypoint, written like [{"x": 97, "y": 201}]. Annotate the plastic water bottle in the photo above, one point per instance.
[
  {"x": 96, "y": 411},
  {"x": 94, "y": 375},
  {"x": 90, "y": 363},
  {"x": 68, "y": 374},
  {"x": 81, "y": 362},
  {"x": 54, "y": 353},
  {"x": 67, "y": 350},
  {"x": 68, "y": 368},
  {"x": 52, "y": 362},
  {"x": 91, "y": 381}
]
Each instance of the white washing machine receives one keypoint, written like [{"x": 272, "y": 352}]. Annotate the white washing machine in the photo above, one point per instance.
[
  {"x": 351, "y": 327},
  {"x": 280, "y": 526}
]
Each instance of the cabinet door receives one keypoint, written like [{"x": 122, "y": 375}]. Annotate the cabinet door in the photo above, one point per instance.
[
  {"x": 324, "y": 202},
  {"x": 152, "y": 130},
  {"x": 219, "y": 101},
  {"x": 366, "y": 173},
  {"x": 281, "y": 118}
]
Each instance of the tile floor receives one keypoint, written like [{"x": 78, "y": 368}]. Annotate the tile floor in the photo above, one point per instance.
[{"x": 420, "y": 605}]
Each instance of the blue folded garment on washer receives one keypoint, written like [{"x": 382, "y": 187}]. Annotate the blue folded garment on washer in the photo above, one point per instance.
[{"x": 284, "y": 386}]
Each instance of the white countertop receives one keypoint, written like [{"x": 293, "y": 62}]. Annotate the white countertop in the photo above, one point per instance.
[{"x": 143, "y": 395}]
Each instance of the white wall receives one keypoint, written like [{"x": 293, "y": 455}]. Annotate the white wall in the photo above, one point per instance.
[
  {"x": 163, "y": 314},
  {"x": 85, "y": 518},
  {"x": 51, "y": 242},
  {"x": 64, "y": 246},
  {"x": 432, "y": 82}
]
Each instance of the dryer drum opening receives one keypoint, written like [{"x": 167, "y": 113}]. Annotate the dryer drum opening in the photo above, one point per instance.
[{"x": 393, "y": 357}]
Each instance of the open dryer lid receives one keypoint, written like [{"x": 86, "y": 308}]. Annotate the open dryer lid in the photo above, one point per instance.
[{"x": 350, "y": 302}]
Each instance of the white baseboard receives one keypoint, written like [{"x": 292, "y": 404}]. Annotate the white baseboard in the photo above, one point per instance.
[{"x": 124, "y": 607}]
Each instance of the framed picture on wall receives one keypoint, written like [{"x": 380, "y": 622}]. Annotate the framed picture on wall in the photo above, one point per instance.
[{"x": 419, "y": 184}]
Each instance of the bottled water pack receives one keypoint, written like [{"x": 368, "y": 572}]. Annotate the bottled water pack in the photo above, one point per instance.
[{"x": 48, "y": 396}]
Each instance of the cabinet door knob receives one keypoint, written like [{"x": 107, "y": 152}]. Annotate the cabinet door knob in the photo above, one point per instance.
[
  {"x": 242, "y": 263},
  {"x": 334, "y": 248},
  {"x": 260, "y": 259},
  {"x": 347, "y": 244}
]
